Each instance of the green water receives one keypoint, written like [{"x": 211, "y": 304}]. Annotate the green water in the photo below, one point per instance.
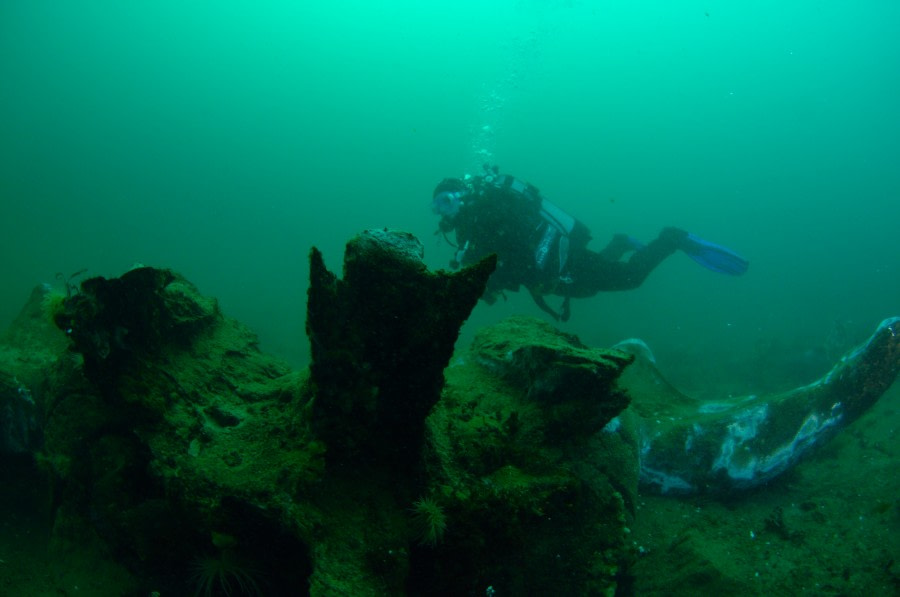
[{"x": 223, "y": 139}]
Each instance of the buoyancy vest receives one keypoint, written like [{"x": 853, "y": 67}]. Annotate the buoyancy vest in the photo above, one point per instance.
[{"x": 555, "y": 226}]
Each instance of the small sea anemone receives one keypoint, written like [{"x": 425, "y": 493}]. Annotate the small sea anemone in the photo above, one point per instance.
[
  {"x": 53, "y": 303},
  {"x": 429, "y": 522},
  {"x": 224, "y": 575}
]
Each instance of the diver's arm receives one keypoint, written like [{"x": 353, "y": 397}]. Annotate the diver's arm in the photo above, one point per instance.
[{"x": 538, "y": 299}]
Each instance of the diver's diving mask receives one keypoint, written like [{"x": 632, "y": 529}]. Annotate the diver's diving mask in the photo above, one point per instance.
[{"x": 447, "y": 203}]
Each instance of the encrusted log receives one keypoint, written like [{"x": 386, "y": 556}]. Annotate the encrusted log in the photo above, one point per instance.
[{"x": 381, "y": 338}]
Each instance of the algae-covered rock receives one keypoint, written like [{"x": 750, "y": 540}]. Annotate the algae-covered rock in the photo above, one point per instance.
[
  {"x": 29, "y": 352},
  {"x": 536, "y": 497},
  {"x": 19, "y": 430},
  {"x": 177, "y": 430},
  {"x": 192, "y": 456},
  {"x": 571, "y": 383},
  {"x": 118, "y": 325}
]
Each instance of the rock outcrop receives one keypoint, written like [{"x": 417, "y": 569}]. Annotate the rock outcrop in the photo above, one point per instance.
[{"x": 171, "y": 440}]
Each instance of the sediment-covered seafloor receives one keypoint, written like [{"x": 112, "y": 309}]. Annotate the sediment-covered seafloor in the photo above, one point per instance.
[{"x": 200, "y": 465}]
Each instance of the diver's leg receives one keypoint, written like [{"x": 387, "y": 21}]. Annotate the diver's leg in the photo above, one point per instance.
[
  {"x": 593, "y": 272},
  {"x": 619, "y": 245},
  {"x": 694, "y": 446}
]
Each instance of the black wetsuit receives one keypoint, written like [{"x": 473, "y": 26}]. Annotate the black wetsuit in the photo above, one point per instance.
[{"x": 605, "y": 271}]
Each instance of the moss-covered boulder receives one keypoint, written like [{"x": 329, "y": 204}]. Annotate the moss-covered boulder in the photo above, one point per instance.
[
  {"x": 573, "y": 385},
  {"x": 178, "y": 443},
  {"x": 535, "y": 497},
  {"x": 29, "y": 353}
]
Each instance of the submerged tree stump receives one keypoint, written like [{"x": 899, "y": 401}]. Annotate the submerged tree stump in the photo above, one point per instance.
[{"x": 380, "y": 340}]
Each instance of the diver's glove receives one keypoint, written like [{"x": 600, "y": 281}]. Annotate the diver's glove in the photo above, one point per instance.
[{"x": 708, "y": 254}]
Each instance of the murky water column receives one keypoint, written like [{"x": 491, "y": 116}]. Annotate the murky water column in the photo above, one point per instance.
[{"x": 519, "y": 42}]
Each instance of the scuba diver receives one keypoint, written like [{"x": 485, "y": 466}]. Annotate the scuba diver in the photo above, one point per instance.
[{"x": 542, "y": 248}]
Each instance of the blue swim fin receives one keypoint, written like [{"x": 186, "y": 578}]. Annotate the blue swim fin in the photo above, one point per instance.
[{"x": 714, "y": 257}]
